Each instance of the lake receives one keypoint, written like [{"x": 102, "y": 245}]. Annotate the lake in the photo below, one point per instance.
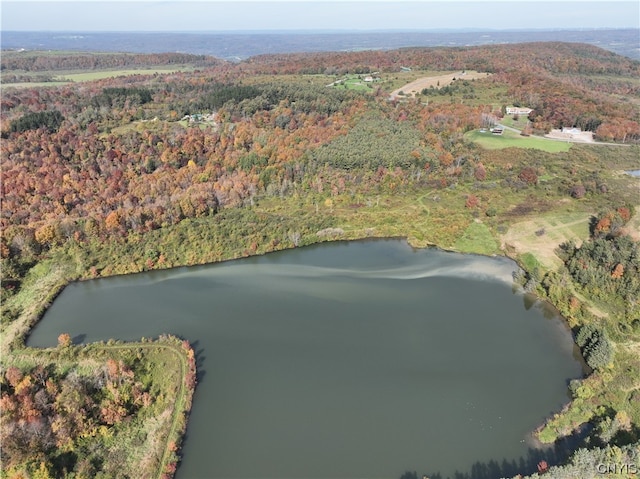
[{"x": 344, "y": 360}]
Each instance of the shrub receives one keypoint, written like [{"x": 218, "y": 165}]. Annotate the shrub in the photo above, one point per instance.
[
  {"x": 472, "y": 201},
  {"x": 528, "y": 175},
  {"x": 480, "y": 172},
  {"x": 578, "y": 191}
]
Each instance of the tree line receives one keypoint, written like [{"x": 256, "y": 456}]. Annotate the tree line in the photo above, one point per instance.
[{"x": 28, "y": 61}]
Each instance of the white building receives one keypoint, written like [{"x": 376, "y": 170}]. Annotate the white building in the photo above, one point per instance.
[{"x": 516, "y": 110}]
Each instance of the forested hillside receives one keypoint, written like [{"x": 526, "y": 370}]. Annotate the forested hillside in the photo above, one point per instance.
[
  {"x": 139, "y": 172},
  {"x": 34, "y": 62}
]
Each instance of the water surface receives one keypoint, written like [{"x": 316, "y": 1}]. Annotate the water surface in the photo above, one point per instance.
[{"x": 343, "y": 360}]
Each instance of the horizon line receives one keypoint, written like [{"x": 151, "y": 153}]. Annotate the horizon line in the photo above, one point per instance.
[{"x": 338, "y": 30}]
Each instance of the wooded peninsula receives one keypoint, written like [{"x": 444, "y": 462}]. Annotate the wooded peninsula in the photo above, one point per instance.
[{"x": 121, "y": 163}]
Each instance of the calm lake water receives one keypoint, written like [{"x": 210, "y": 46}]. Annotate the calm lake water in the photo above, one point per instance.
[{"x": 344, "y": 360}]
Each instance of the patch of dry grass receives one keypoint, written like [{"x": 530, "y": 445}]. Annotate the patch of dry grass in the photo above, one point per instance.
[{"x": 541, "y": 236}]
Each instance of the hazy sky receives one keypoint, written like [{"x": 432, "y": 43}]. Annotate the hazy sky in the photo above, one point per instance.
[{"x": 214, "y": 15}]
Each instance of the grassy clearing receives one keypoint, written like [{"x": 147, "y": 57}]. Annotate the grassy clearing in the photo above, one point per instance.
[
  {"x": 632, "y": 228},
  {"x": 512, "y": 139},
  {"x": 543, "y": 234},
  {"x": 394, "y": 81},
  {"x": 41, "y": 285},
  {"x": 529, "y": 261},
  {"x": 518, "y": 122},
  {"x": 43, "y": 84},
  {"x": 436, "y": 81},
  {"x": 354, "y": 82},
  {"x": 59, "y": 79},
  {"x": 477, "y": 238},
  {"x": 99, "y": 75}
]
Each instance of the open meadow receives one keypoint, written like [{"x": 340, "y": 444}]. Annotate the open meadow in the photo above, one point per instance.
[
  {"x": 435, "y": 81},
  {"x": 59, "y": 79},
  {"x": 512, "y": 139}
]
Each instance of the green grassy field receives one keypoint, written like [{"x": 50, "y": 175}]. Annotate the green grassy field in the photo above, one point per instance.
[
  {"x": 477, "y": 238},
  {"x": 542, "y": 234},
  {"x": 99, "y": 75},
  {"x": 353, "y": 82},
  {"x": 44, "y": 84},
  {"x": 520, "y": 123},
  {"x": 85, "y": 76},
  {"x": 512, "y": 139}
]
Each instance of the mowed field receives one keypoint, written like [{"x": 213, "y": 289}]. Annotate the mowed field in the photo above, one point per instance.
[
  {"x": 541, "y": 236},
  {"x": 416, "y": 86},
  {"x": 510, "y": 138},
  {"x": 632, "y": 228},
  {"x": 84, "y": 76}
]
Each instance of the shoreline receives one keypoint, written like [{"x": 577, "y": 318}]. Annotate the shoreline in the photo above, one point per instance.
[{"x": 505, "y": 257}]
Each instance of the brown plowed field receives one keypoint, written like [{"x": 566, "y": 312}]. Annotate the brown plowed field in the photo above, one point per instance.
[{"x": 416, "y": 86}]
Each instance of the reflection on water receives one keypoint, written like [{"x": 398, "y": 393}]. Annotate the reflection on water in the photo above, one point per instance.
[{"x": 344, "y": 360}]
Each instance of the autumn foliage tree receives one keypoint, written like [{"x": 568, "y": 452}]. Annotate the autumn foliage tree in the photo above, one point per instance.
[
  {"x": 64, "y": 340},
  {"x": 480, "y": 173},
  {"x": 45, "y": 413},
  {"x": 472, "y": 201},
  {"x": 528, "y": 175},
  {"x": 606, "y": 266}
]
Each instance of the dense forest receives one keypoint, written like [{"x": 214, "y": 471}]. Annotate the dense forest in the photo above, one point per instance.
[
  {"x": 262, "y": 155},
  {"x": 26, "y": 62}
]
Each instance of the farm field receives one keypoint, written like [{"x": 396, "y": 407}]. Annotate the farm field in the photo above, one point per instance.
[
  {"x": 59, "y": 79},
  {"x": 99, "y": 75},
  {"x": 416, "y": 86}
]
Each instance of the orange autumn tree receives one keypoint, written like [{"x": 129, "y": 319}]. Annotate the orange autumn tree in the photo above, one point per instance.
[{"x": 64, "y": 340}]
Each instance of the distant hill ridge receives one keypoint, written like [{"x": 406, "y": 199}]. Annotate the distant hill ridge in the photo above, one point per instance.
[
  {"x": 38, "y": 61},
  {"x": 556, "y": 58},
  {"x": 550, "y": 57},
  {"x": 239, "y": 46}
]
